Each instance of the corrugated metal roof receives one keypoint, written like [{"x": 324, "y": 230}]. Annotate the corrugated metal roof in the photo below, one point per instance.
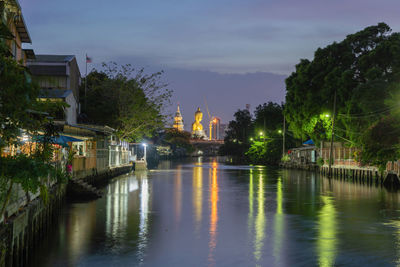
[
  {"x": 23, "y": 31},
  {"x": 54, "y": 58},
  {"x": 19, "y": 21}
]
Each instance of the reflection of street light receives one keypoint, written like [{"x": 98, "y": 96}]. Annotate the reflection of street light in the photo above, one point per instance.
[{"x": 145, "y": 146}]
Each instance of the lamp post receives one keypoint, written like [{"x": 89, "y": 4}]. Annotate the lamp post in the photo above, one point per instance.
[
  {"x": 333, "y": 133},
  {"x": 144, "y": 146}
]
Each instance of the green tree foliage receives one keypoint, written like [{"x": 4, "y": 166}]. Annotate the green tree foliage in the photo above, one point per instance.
[
  {"x": 20, "y": 111},
  {"x": 381, "y": 143},
  {"x": 125, "y": 99},
  {"x": 179, "y": 141},
  {"x": 267, "y": 148},
  {"x": 362, "y": 69},
  {"x": 268, "y": 118},
  {"x": 237, "y": 136},
  {"x": 268, "y": 151}
]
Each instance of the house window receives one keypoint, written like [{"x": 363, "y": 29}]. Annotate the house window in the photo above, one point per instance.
[{"x": 79, "y": 148}]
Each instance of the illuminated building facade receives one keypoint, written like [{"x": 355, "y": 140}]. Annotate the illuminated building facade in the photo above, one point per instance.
[
  {"x": 216, "y": 133},
  {"x": 178, "y": 120}
]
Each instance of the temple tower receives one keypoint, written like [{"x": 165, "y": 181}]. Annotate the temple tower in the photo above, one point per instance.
[{"x": 178, "y": 120}]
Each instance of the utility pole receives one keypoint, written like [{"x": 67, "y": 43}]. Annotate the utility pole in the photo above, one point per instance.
[
  {"x": 333, "y": 133},
  {"x": 86, "y": 61},
  {"x": 264, "y": 123},
  {"x": 284, "y": 132}
]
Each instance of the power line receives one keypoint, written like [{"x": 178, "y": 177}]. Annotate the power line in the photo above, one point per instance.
[{"x": 369, "y": 114}]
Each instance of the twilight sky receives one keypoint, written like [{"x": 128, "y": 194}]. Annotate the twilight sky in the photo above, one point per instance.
[{"x": 231, "y": 52}]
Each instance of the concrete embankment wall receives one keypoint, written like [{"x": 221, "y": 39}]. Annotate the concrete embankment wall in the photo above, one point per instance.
[
  {"x": 104, "y": 176},
  {"x": 366, "y": 174},
  {"x": 28, "y": 222},
  {"x": 26, "y": 228}
]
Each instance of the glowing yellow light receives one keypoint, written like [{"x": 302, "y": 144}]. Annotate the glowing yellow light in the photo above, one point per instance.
[
  {"x": 198, "y": 193},
  {"x": 279, "y": 223},
  {"x": 250, "y": 218},
  {"x": 261, "y": 133},
  {"x": 280, "y": 131},
  {"x": 214, "y": 164},
  {"x": 326, "y": 243},
  {"x": 214, "y": 216},
  {"x": 260, "y": 221}
]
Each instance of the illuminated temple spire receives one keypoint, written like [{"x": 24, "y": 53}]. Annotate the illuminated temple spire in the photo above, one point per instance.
[{"x": 178, "y": 120}]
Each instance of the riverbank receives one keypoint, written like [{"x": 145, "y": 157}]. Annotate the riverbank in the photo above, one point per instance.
[{"x": 30, "y": 221}]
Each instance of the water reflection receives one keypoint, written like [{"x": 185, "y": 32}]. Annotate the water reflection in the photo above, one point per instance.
[
  {"x": 294, "y": 218},
  {"x": 128, "y": 191},
  {"x": 214, "y": 214},
  {"x": 279, "y": 222},
  {"x": 197, "y": 194},
  {"x": 79, "y": 232},
  {"x": 117, "y": 208},
  {"x": 260, "y": 222},
  {"x": 144, "y": 215},
  {"x": 251, "y": 193},
  {"x": 178, "y": 194},
  {"x": 326, "y": 244}
]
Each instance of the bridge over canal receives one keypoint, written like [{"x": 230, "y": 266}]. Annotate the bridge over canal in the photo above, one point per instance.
[{"x": 206, "y": 147}]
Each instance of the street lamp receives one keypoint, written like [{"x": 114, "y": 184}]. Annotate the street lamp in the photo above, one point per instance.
[
  {"x": 145, "y": 146},
  {"x": 251, "y": 139},
  {"x": 279, "y": 131}
]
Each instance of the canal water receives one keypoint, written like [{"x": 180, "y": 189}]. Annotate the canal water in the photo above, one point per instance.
[{"x": 205, "y": 213}]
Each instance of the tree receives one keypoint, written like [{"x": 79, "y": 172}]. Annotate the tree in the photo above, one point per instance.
[
  {"x": 238, "y": 135},
  {"x": 268, "y": 118},
  {"x": 179, "y": 141},
  {"x": 381, "y": 143},
  {"x": 128, "y": 100},
  {"x": 20, "y": 111},
  {"x": 361, "y": 69}
]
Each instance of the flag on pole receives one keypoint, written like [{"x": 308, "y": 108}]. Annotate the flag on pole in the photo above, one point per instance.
[{"x": 88, "y": 59}]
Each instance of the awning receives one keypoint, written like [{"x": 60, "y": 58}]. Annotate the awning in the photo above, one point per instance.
[
  {"x": 309, "y": 142},
  {"x": 61, "y": 140}
]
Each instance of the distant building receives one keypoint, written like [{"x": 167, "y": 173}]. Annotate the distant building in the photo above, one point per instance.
[
  {"x": 216, "y": 129},
  {"x": 178, "y": 120},
  {"x": 60, "y": 78},
  {"x": 222, "y": 130}
]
